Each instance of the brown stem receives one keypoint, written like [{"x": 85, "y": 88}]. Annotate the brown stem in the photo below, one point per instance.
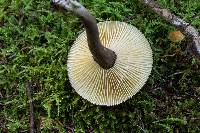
[
  {"x": 191, "y": 33},
  {"x": 102, "y": 55}
]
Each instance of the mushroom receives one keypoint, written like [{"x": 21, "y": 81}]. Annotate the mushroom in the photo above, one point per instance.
[
  {"x": 110, "y": 61},
  {"x": 176, "y": 36}
]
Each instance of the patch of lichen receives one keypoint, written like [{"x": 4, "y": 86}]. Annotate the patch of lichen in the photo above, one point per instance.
[{"x": 34, "y": 43}]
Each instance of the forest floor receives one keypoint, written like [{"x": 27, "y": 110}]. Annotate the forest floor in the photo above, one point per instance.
[{"x": 34, "y": 43}]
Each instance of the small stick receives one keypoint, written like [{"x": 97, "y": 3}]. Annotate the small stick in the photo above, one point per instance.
[
  {"x": 31, "y": 109},
  {"x": 191, "y": 33}
]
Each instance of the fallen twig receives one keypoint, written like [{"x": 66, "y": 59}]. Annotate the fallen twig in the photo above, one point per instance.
[
  {"x": 190, "y": 32},
  {"x": 177, "y": 73},
  {"x": 31, "y": 109},
  {"x": 1, "y": 45},
  {"x": 1, "y": 96}
]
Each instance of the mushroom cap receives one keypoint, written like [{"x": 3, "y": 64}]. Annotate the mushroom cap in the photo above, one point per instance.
[
  {"x": 176, "y": 36},
  {"x": 129, "y": 73}
]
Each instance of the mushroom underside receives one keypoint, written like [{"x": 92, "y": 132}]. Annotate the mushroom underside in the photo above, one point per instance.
[{"x": 129, "y": 73}]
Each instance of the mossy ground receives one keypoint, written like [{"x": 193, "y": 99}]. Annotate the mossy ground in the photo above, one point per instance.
[{"x": 34, "y": 43}]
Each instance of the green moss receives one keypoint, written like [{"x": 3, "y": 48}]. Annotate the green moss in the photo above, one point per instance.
[{"x": 34, "y": 43}]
